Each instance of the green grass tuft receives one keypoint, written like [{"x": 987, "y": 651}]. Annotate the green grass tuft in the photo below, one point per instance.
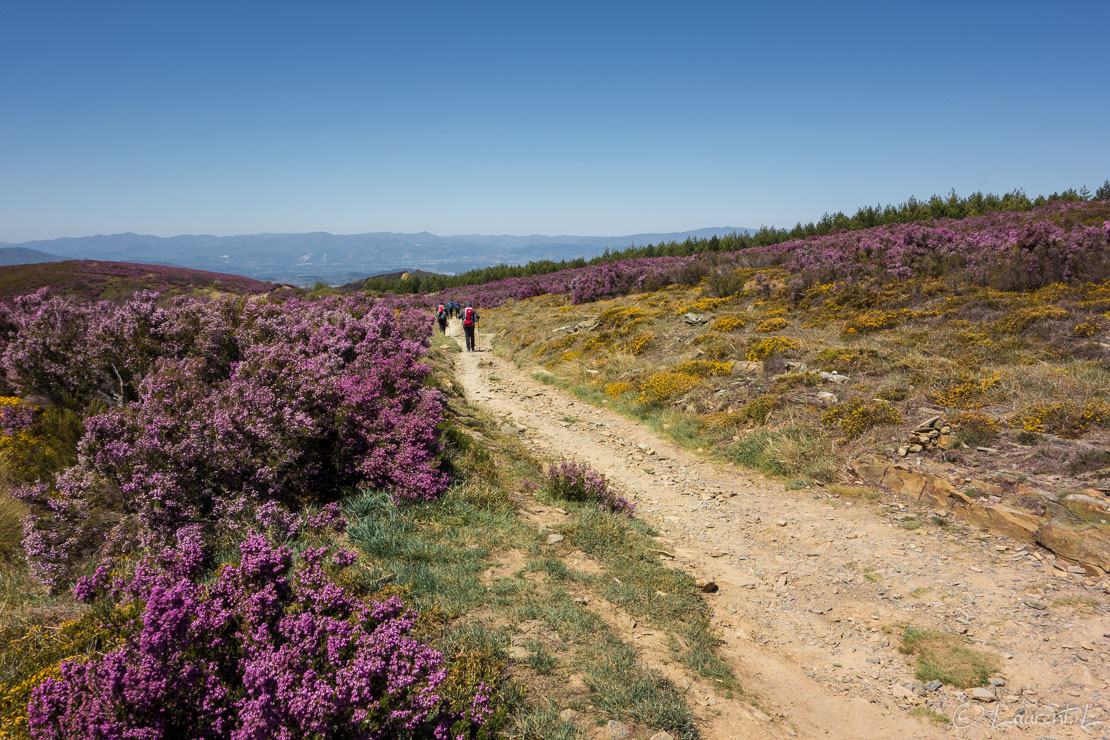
[{"x": 945, "y": 657}]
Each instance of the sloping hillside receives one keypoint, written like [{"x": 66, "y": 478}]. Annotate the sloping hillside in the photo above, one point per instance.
[
  {"x": 113, "y": 280},
  {"x": 963, "y": 360},
  {"x": 24, "y": 256}
]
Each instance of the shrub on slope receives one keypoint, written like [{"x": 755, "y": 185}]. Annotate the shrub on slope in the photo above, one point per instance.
[
  {"x": 271, "y": 648},
  {"x": 284, "y": 402}
]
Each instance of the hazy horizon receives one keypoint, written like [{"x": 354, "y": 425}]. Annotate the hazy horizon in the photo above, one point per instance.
[{"x": 361, "y": 233}]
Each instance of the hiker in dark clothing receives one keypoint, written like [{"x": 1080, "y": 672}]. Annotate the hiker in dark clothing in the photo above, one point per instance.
[
  {"x": 441, "y": 317},
  {"x": 470, "y": 320}
]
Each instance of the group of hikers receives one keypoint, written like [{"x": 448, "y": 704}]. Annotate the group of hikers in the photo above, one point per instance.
[{"x": 455, "y": 310}]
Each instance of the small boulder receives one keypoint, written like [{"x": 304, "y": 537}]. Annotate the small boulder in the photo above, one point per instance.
[
  {"x": 898, "y": 691},
  {"x": 616, "y": 730},
  {"x": 980, "y": 694},
  {"x": 833, "y": 377}
]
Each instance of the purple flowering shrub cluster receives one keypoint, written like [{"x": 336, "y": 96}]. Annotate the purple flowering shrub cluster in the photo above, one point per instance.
[
  {"x": 576, "y": 481},
  {"x": 1060, "y": 242},
  {"x": 210, "y": 422},
  {"x": 271, "y": 647},
  {"x": 216, "y": 408}
]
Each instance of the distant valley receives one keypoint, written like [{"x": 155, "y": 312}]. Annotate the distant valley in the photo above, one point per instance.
[{"x": 303, "y": 259}]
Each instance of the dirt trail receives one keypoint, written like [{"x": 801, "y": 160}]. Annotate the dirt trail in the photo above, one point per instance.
[{"x": 815, "y": 590}]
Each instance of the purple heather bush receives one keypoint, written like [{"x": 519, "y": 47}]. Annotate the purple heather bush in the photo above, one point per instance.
[
  {"x": 269, "y": 648},
  {"x": 579, "y": 482},
  {"x": 16, "y": 418},
  {"x": 218, "y": 408}
]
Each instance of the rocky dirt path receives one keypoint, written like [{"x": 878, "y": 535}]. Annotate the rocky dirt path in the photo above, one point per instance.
[{"x": 815, "y": 590}]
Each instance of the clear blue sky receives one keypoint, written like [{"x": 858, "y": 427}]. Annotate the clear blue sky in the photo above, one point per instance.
[{"x": 517, "y": 117}]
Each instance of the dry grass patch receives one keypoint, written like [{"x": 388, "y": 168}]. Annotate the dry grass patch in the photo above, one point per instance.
[
  {"x": 944, "y": 657},
  {"x": 1079, "y": 603},
  {"x": 866, "y": 493}
]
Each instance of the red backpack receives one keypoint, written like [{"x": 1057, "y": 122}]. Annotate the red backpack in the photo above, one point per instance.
[
  {"x": 441, "y": 311},
  {"x": 468, "y": 316}
]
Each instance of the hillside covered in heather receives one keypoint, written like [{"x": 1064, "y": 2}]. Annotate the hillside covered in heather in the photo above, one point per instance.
[
  {"x": 90, "y": 279},
  {"x": 1006, "y": 250}
]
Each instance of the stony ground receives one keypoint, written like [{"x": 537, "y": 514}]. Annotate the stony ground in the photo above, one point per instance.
[{"x": 816, "y": 589}]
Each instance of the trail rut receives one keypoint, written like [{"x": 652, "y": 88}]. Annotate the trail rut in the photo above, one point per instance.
[{"x": 815, "y": 590}]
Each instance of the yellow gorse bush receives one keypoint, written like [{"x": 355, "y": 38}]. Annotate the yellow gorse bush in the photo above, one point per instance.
[
  {"x": 874, "y": 321},
  {"x": 702, "y": 304},
  {"x": 707, "y": 338},
  {"x": 975, "y": 426},
  {"x": 764, "y": 348},
  {"x": 856, "y": 416},
  {"x": 1086, "y": 329},
  {"x": 727, "y": 323},
  {"x": 966, "y": 393},
  {"x": 619, "y": 388},
  {"x": 1065, "y": 419},
  {"x": 759, "y": 408},
  {"x": 775, "y": 324},
  {"x": 1018, "y": 320},
  {"x": 595, "y": 343},
  {"x": 619, "y": 317},
  {"x": 640, "y": 343},
  {"x": 705, "y": 368},
  {"x": 970, "y": 338},
  {"x": 664, "y": 386}
]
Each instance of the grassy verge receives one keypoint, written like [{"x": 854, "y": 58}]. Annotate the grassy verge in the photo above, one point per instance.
[
  {"x": 794, "y": 452},
  {"x": 495, "y": 592}
]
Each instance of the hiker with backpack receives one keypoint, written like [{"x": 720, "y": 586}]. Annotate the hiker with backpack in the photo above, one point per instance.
[
  {"x": 470, "y": 320},
  {"x": 441, "y": 317}
]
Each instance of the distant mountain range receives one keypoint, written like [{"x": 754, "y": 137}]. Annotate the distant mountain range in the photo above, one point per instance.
[{"x": 303, "y": 259}]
